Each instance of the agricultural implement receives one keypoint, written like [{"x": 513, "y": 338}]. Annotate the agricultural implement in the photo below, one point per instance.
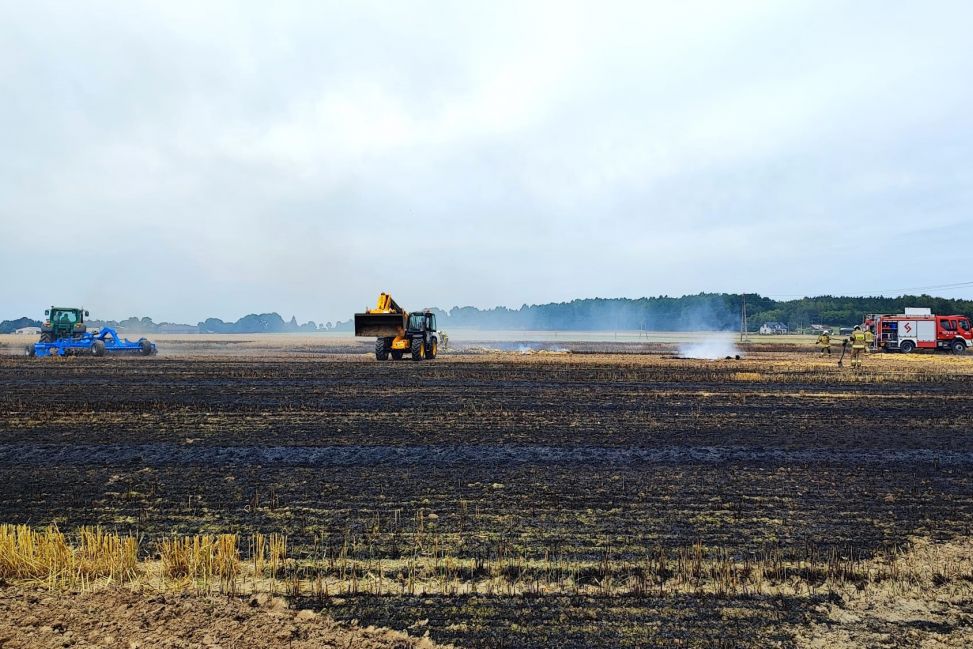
[
  {"x": 64, "y": 333},
  {"x": 398, "y": 332}
]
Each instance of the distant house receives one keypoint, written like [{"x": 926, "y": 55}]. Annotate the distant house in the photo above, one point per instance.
[
  {"x": 28, "y": 331},
  {"x": 773, "y": 328}
]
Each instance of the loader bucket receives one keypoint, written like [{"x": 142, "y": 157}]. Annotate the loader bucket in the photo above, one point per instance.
[{"x": 379, "y": 325}]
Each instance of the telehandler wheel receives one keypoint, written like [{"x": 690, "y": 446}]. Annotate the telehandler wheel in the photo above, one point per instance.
[
  {"x": 433, "y": 349},
  {"x": 98, "y": 348},
  {"x": 397, "y": 354},
  {"x": 381, "y": 349},
  {"x": 418, "y": 349}
]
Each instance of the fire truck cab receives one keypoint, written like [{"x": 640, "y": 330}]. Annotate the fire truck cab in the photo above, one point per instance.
[{"x": 920, "y": 329}]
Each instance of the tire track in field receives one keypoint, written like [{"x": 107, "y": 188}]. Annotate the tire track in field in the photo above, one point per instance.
[{"x": 165, "y": 454}]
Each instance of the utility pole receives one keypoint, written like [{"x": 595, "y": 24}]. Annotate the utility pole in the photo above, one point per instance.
[{"x": 743, "y": 319}]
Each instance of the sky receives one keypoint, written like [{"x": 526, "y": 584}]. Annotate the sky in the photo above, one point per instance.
[{"x": 181, "y": 160}]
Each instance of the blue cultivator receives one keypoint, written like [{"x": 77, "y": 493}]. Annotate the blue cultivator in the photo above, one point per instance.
[
  {"x": 98, "y": 343},
  {"x": 64, "y": 333}
]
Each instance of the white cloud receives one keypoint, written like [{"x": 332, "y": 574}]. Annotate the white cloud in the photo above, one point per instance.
[{"x": 227, "y": 158}]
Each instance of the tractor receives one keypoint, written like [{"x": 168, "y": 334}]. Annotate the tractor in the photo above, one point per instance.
[
  {"x": 398, "y": 332},
  {"x": 64, "y": 333},
  {"x": 62, "y": 322}
]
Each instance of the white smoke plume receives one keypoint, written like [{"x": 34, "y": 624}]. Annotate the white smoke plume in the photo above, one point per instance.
[
  {"x": 541, "y": 349},
  {"x": 710, "y": 349}
]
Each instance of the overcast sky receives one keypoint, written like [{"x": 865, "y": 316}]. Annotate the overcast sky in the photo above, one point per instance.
[{"x": 183, "y": 160}]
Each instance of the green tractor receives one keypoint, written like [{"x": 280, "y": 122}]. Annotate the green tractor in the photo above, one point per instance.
[{"x": 63, "y": 322}]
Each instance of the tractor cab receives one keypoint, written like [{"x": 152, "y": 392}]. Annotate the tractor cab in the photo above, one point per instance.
[
  {"x": 63, "y": 322},
  {"x": 421, "y": 322}
]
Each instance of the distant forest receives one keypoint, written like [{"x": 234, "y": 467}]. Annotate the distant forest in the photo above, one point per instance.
[
  {"x": 705, "y": 311},
  {"x": 248, "y": 324}
]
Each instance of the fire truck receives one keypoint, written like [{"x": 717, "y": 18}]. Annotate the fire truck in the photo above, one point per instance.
[{"x": 920, "y": 329}]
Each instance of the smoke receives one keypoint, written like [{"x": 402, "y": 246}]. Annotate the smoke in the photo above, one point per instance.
[
  {"x": 710, "y": 349},
  {"x": 542, "y": 349}
]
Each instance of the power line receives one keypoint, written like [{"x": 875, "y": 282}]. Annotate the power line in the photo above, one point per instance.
[{"x": 938, "y": 287}]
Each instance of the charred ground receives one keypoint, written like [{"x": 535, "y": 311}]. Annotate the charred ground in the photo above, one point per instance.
[{"x": 582, "y": 460}]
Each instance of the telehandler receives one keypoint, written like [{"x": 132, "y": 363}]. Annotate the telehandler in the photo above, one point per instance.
[{"x": 397, "y": 331}]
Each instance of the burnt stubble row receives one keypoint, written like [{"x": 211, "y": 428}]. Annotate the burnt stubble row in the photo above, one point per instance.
[{"x": 575, "y": 457}]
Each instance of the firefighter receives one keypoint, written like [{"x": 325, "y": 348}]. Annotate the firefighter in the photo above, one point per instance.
[
  {"x": 869, "y": 339},
  {"x": 824, "y": 342},
  {"x": 857, "y": 347}
]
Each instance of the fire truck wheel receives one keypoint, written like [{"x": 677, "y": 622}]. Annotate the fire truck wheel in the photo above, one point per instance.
[
  {"x": 958, "y": 347},
  {"x": 907, "y": 347}
]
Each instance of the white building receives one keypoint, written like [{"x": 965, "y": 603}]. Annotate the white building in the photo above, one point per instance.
[{"x": 773, "y": 328}]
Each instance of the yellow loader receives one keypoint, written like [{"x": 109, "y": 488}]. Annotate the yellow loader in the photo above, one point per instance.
[{"x": 398, "y": 332}]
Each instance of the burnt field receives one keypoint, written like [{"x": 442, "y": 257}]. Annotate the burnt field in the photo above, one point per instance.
[{"x": 509, "y": 500}]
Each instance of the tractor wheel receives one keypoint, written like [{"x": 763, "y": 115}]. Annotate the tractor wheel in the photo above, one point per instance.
[
  {"x": 381, "y": 349},
  {"x": 397, "y": 354},
  {"x": 907, "y": 347},
  {"x": 47, "y": 337},
  {"x": 433, "y": 348},
  {"x": 418, "y": 349},
  {"x": 98, "y": 348},
  {"x": 146, "y": 347},
  {"x": 958, "y": 347},
  {"x": 31, "y": 352}
]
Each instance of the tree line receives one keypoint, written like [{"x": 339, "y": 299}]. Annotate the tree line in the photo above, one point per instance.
[
  {"x": 704, "y": 311},
  {"x": 700, "y": 312}
]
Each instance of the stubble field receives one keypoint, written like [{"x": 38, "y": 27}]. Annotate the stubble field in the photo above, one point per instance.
[{"x": 504, "y": 499}]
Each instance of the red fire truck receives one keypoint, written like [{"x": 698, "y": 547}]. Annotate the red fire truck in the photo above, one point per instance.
[{"x": 920, "y": 329}]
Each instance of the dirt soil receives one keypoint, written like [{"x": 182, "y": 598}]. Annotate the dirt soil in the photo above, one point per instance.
[{"x": 36, "y": 618}]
